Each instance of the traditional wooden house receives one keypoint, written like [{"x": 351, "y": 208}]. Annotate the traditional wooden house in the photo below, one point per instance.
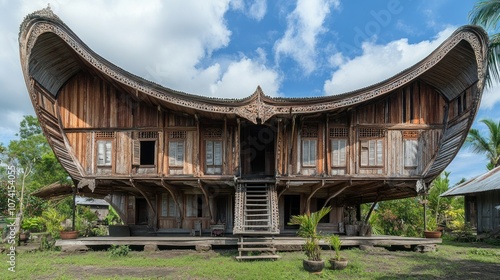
[
  {"x": 482, "y": 200},
  {"x": 173, "y": 161}
]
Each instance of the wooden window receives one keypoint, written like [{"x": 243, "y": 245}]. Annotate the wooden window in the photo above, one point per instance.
[
  {"x": 176, "y": 153},
  {"x": 309, "y": 136},
  {"x": 410, "y": 142},
  {"x": 372, "y": 152},
  {"x": 213, "y": 157},
  {"x": 371, "y": 147},
  {"x": 309, "y": 152},
  {"x": 144, "y": 148},
  {"x": 339, "y": 152},
  {"x": 168, "y": 207},
  {"x": 104, "y": 152},
  {"x": 194, "y": 205},
  {"x": 176, "y": 147},
  {"x": 338, "y": 141}
]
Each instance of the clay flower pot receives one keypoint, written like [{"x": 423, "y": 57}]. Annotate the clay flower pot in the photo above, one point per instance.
[
  {"x": 432, "y": 234},
  {"x": 72, "y": 234}
]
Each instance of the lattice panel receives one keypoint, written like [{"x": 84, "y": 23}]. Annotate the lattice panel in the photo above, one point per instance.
[
  {"x": 177, "y": 134},
  {"x": 411, "y": 134},
  {"x": 371, "y": 133},
  {"x": 339, "y": 132},
  {"x": 148, "y": 134},
  {"x": 213, "y": 133},
  {"x": 105, "y": 134},
  {"x": 309, "y": 131},
  {"x": 275, "y": 227},
  {"x": 238, "y": 208}
]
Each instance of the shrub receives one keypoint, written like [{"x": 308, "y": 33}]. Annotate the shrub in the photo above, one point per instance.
[{"x": 119, "y": 250}]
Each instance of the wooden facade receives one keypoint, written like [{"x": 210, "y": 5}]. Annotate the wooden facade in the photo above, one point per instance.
[{"x": 169, "y": 160}]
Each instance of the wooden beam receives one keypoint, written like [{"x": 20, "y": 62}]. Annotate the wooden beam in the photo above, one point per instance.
[
  {"x": 371, "y": 209},
  {"x": 174, "y": 195},
  {"x": 316, "y": 188},
  {"x": 146, "y": 197},
  {"x": 287, "y": 186},
  {"x": 207, "y": 200},
  {"x": 337, "y": 193}
]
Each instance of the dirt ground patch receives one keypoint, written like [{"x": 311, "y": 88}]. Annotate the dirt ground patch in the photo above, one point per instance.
[{"x": 87, "y": 271}]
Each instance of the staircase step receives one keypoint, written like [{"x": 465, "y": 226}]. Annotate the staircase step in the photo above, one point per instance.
[
  {"x": 255, "y": 210},
  {"x": 262, "y": 243},
  {"x": 257, "y": 215},
  {"x": 258, "y": 199},
  {"x": 253, "y": 204},
  {"x": 256, "y": 226},
  {"x": 275, "y": 257},
  {"x": 257, "y": 220},
  {"x": 261, "y": 249}
]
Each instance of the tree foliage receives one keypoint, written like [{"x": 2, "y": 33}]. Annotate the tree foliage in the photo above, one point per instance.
[
  {"x": 35, "y": 162},
  {"x": 488, "y": 145},
  {"x": 487, "y": 14}
]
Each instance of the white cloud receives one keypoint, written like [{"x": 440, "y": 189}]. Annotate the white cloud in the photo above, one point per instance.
[
  {"x": 491, "y": 96},
  {"x": 258, "y": 9},
  {"x": 240, "y": 80},
  {"x": 379, "y": 62},
  {"x": 304, "y": 24}
]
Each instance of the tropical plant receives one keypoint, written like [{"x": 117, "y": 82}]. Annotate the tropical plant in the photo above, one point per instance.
[
  {"x": 119, "y": 250},
  {"x": 308, "y": 224},
  {"x": 487, "y": 14},
  {"x": 489, "y": 145},
  {"x": 53, "y": 221},
  {"x": 335, "y": 243},
  {"x": 33, "y": 224},
  {"x": 437, "y": 204}
]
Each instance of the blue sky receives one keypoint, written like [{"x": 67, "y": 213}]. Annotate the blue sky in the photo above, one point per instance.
[{"x": 227, "y": 48}]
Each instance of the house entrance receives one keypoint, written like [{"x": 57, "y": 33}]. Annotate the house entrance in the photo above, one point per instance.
[
  {"x": 141, "y": 214},
  {"x": 257, "y": 150},
  {"x": 292, "y": 208}
]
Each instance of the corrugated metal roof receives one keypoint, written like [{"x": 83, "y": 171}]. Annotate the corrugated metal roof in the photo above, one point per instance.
[{"x": 487, "y": 182}]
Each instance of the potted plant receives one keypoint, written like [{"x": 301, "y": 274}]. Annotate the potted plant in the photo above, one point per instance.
[
  {"x": 432, "y": 229},
  {"x": 337, "y": 263},
  {"x": 116, "y": 227},
  {"x": 54, "y": 224},
  {"x": 308, "y": 224}
]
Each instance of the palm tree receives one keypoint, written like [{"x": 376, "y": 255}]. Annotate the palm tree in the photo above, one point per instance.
[
  {"x": 487, "y": 14},
  {"x": 490, "y": 145}
]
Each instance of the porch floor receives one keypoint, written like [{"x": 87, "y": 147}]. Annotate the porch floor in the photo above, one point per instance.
[{"x": 282, "y": 243}]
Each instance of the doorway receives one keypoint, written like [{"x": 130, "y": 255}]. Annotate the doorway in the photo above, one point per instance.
[
  {"x": 292, "y": 208},
  {"x": 141, "y": 211},
  {"x": 257, "y": 150}
]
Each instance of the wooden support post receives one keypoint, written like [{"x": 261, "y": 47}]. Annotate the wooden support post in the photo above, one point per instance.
[
  {"x": 146, "y": 197},
  {"x": 207, "y": 201},
  {"x": 335, "y": 194},
  {"x": 316, "y": 188},
  {"x": 74, "y": 208},
  {"x": 371, "y": 209},
  {"x": 175, "y": 196}
]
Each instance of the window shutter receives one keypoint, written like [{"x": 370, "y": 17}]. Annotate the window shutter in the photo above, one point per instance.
[
  {"x": 136, "y": 152},
  {"x": 180, "y": 153},
  {"x": 100, "y": 152},
  {"x": 172, "y": 150},
  {"x": 209, "y": 153},
  {"x": 364, "y": 152},
  {"x": 305, "y": 152},
  {"x": 380, "y": 152},
  {"x": 410, "y": 155},
  {"x": 312, "y": 150},
  {"x": 107, "y": 158},
  {"x": 218, "y": 153}
]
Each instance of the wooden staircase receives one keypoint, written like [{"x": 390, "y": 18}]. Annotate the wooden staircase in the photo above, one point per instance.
[
  {"x": 253, "y": 248},
  {"x": 257, "y": 220}
]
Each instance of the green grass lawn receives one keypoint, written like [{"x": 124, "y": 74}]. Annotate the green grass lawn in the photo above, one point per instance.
[{"x": 450, "y": 261}]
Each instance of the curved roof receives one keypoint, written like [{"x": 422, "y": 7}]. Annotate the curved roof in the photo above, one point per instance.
[{"x": 51, "y": 53}]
